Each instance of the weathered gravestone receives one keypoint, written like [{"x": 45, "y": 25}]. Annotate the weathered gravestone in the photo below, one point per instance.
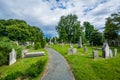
[
  {"x": 62, "y": 43},
  {"x": 105, "y": 50},
  {"x": 95, "y": 54},
  {"x": 72, "y": 50},
  {"x": 50, "y": 42},
  {"x": 110, "y": 53},
  {"x": 115, "y": 52},
  {"x": 34, "y": 54},
  {"x": 80, "y": 42},
  {"x": 85, "y": 49},
  {"x": 55, "y": 42},
  {"x": 26, "y": 54},
  {"x": 12, "y": 57}
]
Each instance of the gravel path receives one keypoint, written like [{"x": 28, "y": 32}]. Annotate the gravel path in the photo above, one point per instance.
[{"x": 57, "y": 68}]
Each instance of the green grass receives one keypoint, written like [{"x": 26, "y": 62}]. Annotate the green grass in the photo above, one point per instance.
[
  {"x": 85, "y": 68},
  {"x": 22, "y": 66}
]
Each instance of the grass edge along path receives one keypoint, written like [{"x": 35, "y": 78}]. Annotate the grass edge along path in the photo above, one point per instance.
[
  {"x": 85, "y": 68},
  {"x": 25, "y": 68}
]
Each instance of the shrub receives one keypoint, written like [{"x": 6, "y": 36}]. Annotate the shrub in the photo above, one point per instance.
[
  {"x": 5, "y": 39},
  {"x": 43, "y": 43},
  {"x": 37, "y": 45},
  {"x": 5, "y": 49},
  {"x": 36, "y": 69},
  {"x": 13, "y": 76},
  {"x": 29, "y": 46}
]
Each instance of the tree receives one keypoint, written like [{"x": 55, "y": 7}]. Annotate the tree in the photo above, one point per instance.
[
  {"x": 112, "y": 27},
  {"x": 88, "y": 30},
  {"x": 69, "y": 28},
  {"x": 96, "y": 38},
  {"x": 19, "y": 30}
]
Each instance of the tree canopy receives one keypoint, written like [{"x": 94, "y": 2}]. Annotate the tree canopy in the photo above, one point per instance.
[
  {"x": 69, "y": 28},
  {"x": 112, "y": 26},
  {"x": 88, "y": 30},
  {"x": 19, "y": 30}
]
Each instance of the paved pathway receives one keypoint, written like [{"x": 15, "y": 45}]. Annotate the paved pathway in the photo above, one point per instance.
[{"x": 57, "y": 68}]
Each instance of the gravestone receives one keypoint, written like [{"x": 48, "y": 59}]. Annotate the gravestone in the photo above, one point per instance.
[
  {"x": 62, "y": 43},
  {"x": 34, "y": 54},
  {"x": 72, "y": 50},
  {"x": 24, "y": 52},
  {"x": 55, "y": 41},
  {"x": 92, "y": 44},
  {"x": 105, "y": 50},
  {"x": 95, "y": 54},
  {"x": 80, "y": 42},
  {"x": 33, "y": 43},
  {"x": 85, "y": 49},
  {"x": 50, "y": 41},
  {"x": 115, "y": 52},
  {"x": 110, "y": 53},
  {"x": 12, "y": 57}
]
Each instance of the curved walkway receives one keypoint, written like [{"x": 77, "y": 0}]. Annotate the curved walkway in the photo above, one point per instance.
[{"x": 57, "y": 68}]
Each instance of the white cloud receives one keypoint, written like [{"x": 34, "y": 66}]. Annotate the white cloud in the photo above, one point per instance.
[{"x": 46, "y": 14}]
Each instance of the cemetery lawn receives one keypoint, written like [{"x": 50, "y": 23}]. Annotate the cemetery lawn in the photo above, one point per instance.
[
  {"x": 25, "y": 68},
  {"x": 85, "y": 68}
]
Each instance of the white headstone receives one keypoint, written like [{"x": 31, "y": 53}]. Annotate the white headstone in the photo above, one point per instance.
[
  {"x": 95, "y": 54},
  {"x": 55, "y": 41},
  {"x": 105, "y": 50},
  {"x": 115, "y": 52},
  {"x": 12, "y": 57},
  {"x": 24, "y": 53},
  {"x": 74, "y": 50},
  {"x": 80, "y": 42},
  {"x": 50, "y": 42},
  {"x": 70, "y": 51},
  {"x": 33, "y": 43},
  {"x": 110, "y": 53},
  {"x": 85, "y": 49}
]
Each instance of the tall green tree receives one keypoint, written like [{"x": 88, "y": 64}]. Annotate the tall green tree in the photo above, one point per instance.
[
  {"x": 69, "y": 28},
  {"x": 88, "y": 30},
  {"x": 96, "y": 38},
  {"x": 112, "y": 27}
]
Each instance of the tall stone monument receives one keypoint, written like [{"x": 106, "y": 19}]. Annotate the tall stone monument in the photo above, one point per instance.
[
  {"x": 12, "y": 57},
  {"x": 50, "y": 42},
  {"x": 55, "y": 41},
  {"x": 105, "y": 50},
  {"x": 80, "y": 42}
]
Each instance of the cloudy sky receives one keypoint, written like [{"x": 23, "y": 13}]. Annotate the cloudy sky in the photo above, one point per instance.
[{"x": 46, "y": 13}]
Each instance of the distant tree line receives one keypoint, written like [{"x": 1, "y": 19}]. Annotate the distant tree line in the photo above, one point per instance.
[{"x": 69, "y": 30}]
